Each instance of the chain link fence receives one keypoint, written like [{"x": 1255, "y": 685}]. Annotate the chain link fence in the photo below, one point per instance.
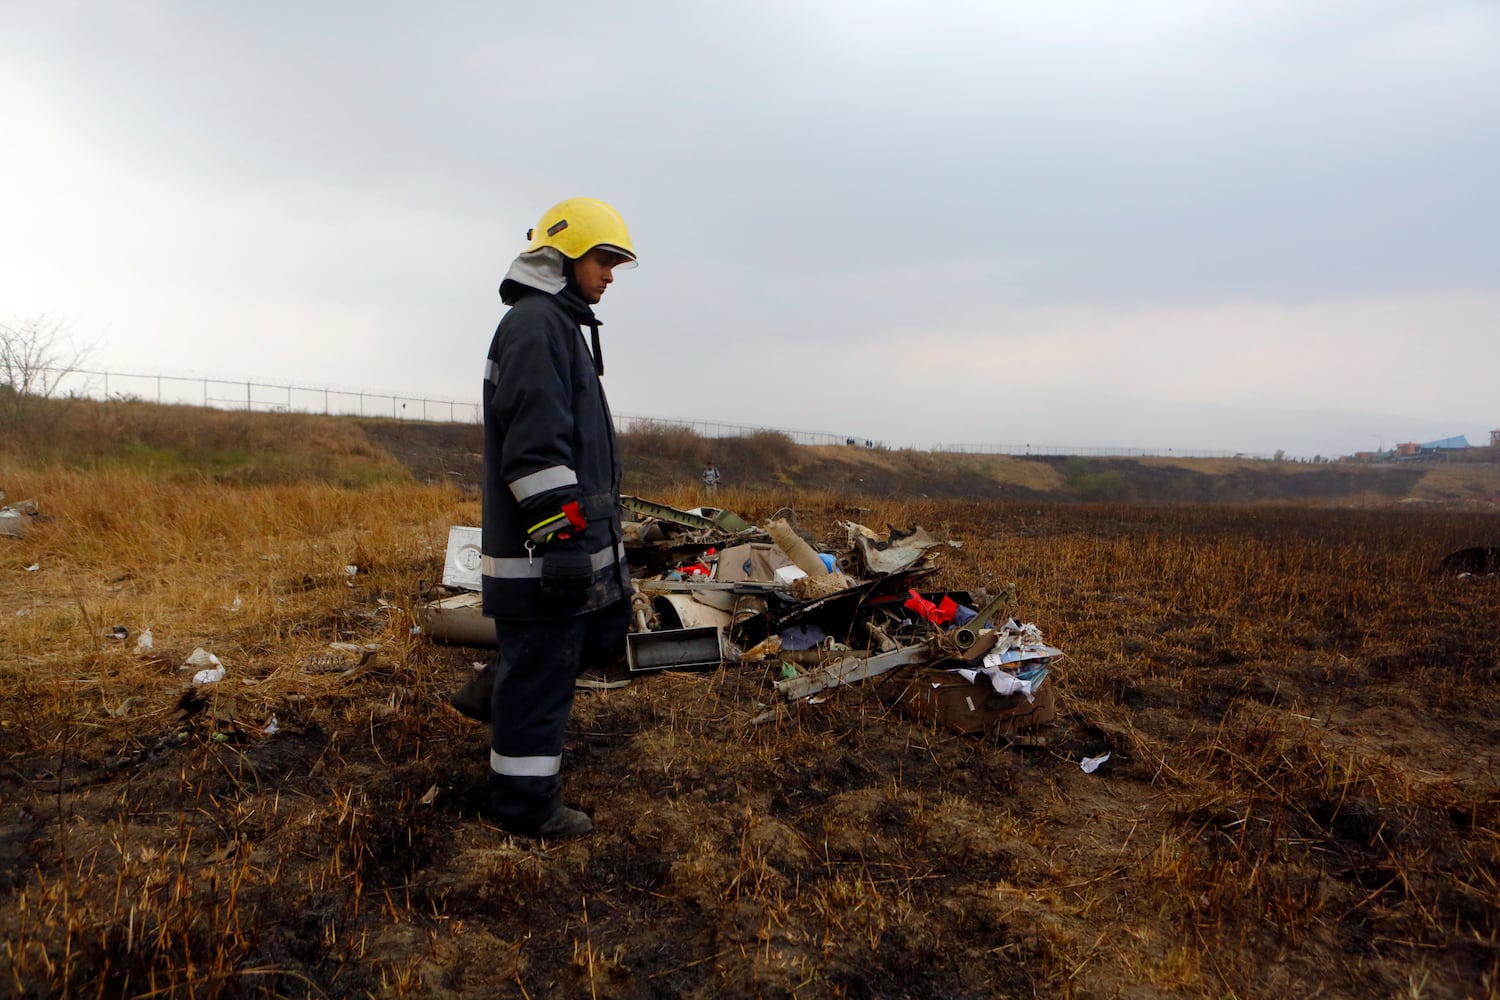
[{"x": 287, "y": 397}]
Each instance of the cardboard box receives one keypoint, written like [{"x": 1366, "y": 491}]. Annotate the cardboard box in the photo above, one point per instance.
[
  {"x": 755, "y": 562},
  {"x": 946, "y": 698}
]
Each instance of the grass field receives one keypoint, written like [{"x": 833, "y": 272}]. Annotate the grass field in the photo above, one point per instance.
[{"x": 1302, "y": 799}]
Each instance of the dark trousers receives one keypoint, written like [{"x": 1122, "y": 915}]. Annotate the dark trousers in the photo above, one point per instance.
[{"x": 529, "y": 707}]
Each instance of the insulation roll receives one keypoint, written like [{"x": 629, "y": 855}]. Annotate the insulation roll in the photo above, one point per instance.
[{"x": 797, "y": 550}]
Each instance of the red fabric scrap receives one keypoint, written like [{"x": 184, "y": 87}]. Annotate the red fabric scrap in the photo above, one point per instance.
[{"x": 938, "y": 614}]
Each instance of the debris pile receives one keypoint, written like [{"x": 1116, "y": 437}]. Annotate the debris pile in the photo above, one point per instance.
[{"x": 712, "y": 590}]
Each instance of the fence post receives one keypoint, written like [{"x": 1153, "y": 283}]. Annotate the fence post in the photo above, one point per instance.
[
  {"x": 158, "y": 390},
  {"x": 325, "y": 402},
  {"x": 247, "y": 397}
]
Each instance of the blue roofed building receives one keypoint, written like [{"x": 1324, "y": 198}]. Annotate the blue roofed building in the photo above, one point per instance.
[{"x": 1458, "y": 443}]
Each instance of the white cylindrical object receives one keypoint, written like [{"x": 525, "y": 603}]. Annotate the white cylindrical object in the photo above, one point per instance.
[{"x": 796, "y": 548}]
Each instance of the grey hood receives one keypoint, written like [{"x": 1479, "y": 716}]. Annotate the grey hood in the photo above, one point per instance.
[{"x": 541, "y": 270}]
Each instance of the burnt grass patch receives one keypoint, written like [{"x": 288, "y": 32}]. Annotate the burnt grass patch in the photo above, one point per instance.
[{"x": 1300, "y": 799}]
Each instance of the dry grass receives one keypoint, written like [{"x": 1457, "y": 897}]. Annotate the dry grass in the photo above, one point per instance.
[
  {"x": 1302, "y": 796},
  {"x": 197, "y": 443}
]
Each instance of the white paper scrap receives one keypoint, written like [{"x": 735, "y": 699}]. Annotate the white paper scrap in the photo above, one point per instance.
[
  {"x": 1002, "y": 682},
  {"x": 1091, "y": 764},
  {"x": 201, "y": 657}
]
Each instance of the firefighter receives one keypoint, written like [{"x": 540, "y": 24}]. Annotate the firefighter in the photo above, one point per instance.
[{"x": 555, "y": 579}]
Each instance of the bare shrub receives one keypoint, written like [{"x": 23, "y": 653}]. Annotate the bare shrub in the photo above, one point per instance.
[
  {"x": 36, "y": 354},
  {"x": 665, "y": 441}
]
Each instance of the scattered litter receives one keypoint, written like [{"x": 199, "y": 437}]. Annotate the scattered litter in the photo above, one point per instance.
[
  {"x": 594, "y": 684},
  {"x": 123, "y": 708},
  {"x": 1008, "y": 683},
  {"x": 428, "y": 797},
  {"x": 212, "y": 675},
  {"x": 236, "y": 605},
  {"x": 212, "y": 671},
  {"x": 143, "y": 641},
  {"x": 118, "y": 632},
  {"x": 360, "y": 648},
  {"x": 347, "y": 658},
  {"x": 272, "y": 728},
  {"x": 33, "y": 567},
  {"x": 1091, "y": 764},
  {"x": 17, "y": 517},
  {"x": 24, "y": 613}
]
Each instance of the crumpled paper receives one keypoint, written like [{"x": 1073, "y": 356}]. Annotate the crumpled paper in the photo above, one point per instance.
[{"x": 213, "y": 670}]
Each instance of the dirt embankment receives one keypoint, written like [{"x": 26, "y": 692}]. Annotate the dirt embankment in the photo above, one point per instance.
[{"x": 660, "y": 460}]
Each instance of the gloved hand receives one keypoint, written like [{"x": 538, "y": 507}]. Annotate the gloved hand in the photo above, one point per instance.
[
  {"x": 553, "y": 519},
  {"x": 567, "y": 571}
]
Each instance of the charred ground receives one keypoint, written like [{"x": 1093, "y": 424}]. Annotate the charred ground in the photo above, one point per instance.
[{"x": 1302, "y": 795}]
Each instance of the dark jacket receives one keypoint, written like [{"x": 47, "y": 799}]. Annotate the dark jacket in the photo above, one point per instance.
[{"x": 548, "y": 439}]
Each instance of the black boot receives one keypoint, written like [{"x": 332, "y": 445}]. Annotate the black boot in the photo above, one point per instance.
[{"x": 473, "y": 699}]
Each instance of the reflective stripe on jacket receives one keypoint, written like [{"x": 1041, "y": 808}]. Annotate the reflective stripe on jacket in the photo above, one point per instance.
[{"x": 548, "y": 439}]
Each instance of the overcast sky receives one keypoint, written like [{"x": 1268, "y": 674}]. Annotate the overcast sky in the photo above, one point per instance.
[{"x": 1212, "y": 225}]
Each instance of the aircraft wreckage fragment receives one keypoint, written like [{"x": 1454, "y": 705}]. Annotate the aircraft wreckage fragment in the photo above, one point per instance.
[{"x": 711, "y": 589}]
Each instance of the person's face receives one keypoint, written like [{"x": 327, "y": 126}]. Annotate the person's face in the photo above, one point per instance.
[{"x": 594, "y": 271}]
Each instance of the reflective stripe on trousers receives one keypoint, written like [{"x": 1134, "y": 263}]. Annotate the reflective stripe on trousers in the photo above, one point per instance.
[{"x": 525, "y": 767}]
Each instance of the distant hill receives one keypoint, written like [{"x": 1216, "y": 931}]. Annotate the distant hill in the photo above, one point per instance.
[
  {"x": 669, "y": 458},
  {"x": 282, "y": 447}
]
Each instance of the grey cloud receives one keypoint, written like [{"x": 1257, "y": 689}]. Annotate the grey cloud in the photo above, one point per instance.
[{"x": 844, "y": 171}]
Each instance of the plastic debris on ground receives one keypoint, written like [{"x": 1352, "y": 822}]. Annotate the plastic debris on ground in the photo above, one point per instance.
[
  {"x": 1091, "y": 764},
  {"x": 17, "y": 518},
  {"x": 211, "y": 672}
]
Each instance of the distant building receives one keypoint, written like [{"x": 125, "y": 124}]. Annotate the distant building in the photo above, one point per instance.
[
  {"x": 1495, "y": 439},
  {"x": 1408, "y": 448},
  {"x": 1458, "y": 443}
]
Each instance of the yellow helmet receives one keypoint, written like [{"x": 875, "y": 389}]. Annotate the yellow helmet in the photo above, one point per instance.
[{"x": 578, "y": 225}]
